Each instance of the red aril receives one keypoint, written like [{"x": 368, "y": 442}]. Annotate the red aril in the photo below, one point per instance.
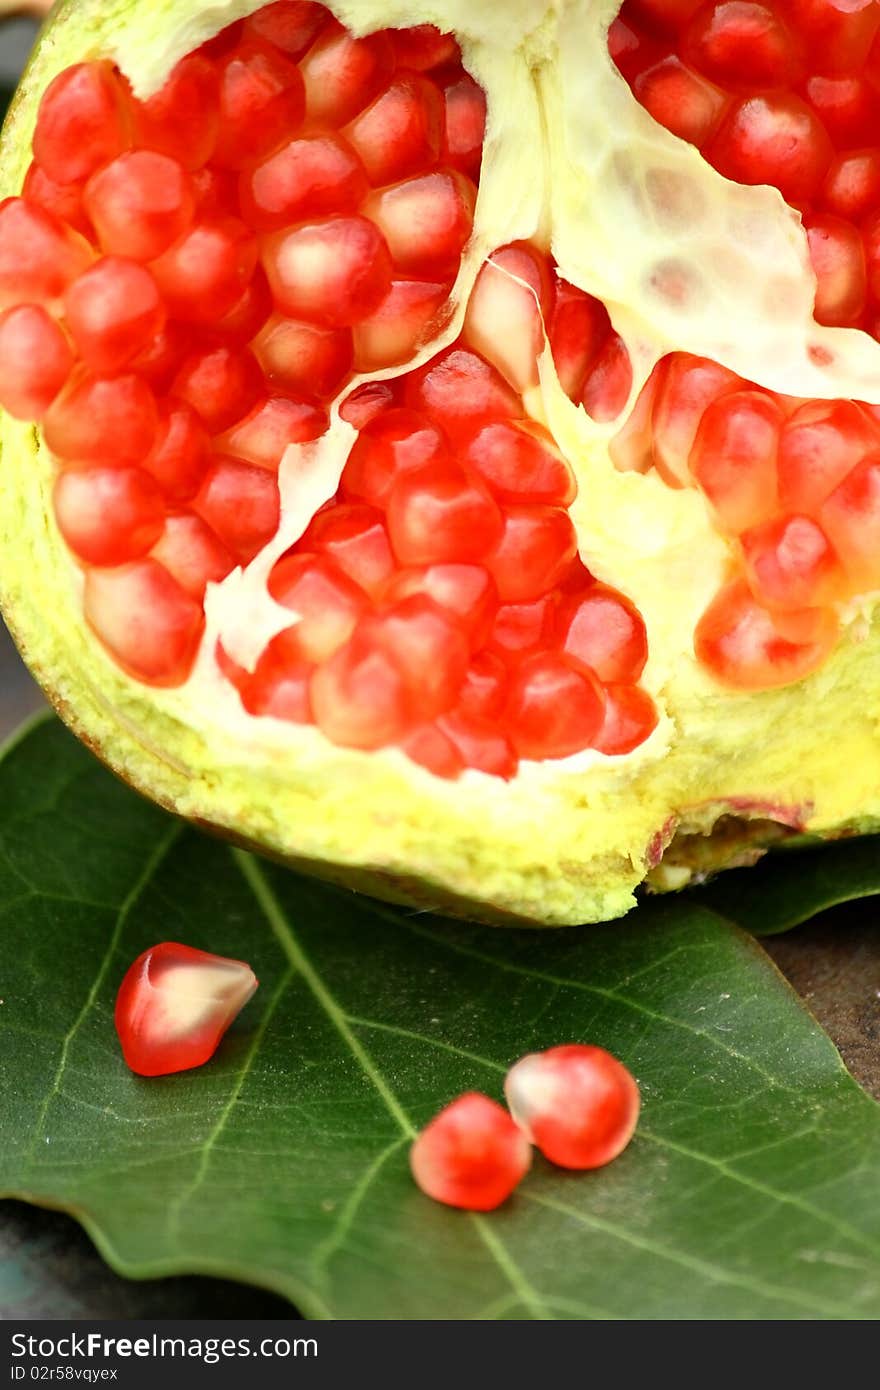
[
  {"x": 148, "y": 623},
  {"x": 744, "y": 645},
  {"x": 220, "y": 383},
  {"x": 464, "y": 124},
  {"x": 140, "y": 204},
  {"x": 609, "y": 381},
  {"x": 302, "y": 357},
  {"x": 400, "y": 133},
  {"x": 192, "y": 554},
  {"x": 331, "y": 272},
  {"x": 241, "y": 503},
  {"x": 506, "y": 313},
  {"x": 203, "y": 276},
  {"x": 113, "y": 419},
  {"x": 553, "y": 709},
  {"x": 342, "y": 74},
  {"x": 248, "y": 314},
  {"x": 820, "y": 443},
  {"x": 839, "y": 32},
  {"x": 263, "y": 435},
  {"x": 852, "y": 185},
  {"x": 290, "y": 25},
  {"x": 305, "y": 178},
  {"x": 261, "y": 101},
  {"x": 364, "y": 403},
  {"x": 521, "y": 628},
  {"x": 733, "y": 458},
  {"x": 427, "y": 646},
  {"x": 39, "y": 254},
  {"x": 465, "y": 592},
  {"x": 386, "y": 447},
  {"x": 471, "y": 1155},
  {"x": 360, "y": 698},
  {"x": 685, "y": 386},
  {"x": 161, "y": 359},
  {"x": 579, "y": 328},
  {"x": 848, "y": 107},
  {"x": 175, "y": 1004},
  {"x": 355, "y": 539},
  {"x": 680, "y": 99},
  {"x": 325, "y": 599},
  {"x": 789, "y": 563},
  {"x": 630, "y": 718},
  {"x": 741, "y": 44},
  {"x": 113, "y": 312},
  {"x": 406, "y": 317},
  {"x": 63, "y": 200},
  {"x": 35, "y": 361},
  {"x": 838, "y": 258},
  {"x": 425, "y": 221},
  {"x": 83, "y": 121},
  {"x": 483, "y": 746},
  {"x": 484, "y": 689},
  {"x": 182, "y": 118},
  {"x": 461, "y": 392},
  {"x": 775, "y": 139},
  {"x": 661, "y": 16},
  {"x": 577, "y": 1104},
  {"x": 432, "y": 749},
  {"x": 851, "y": 519},
  {"x": 181, "y": 453},
  {"x": 536, "y": 546},
  {"x": 599, "y": 629},
  {"x": 520, "y": 465},
  {"x": 279, "y": 685},
  {"x": 108, "y": 516},
  {"x": 441, "y": 513},
  {"x": 423, "y": 47}
]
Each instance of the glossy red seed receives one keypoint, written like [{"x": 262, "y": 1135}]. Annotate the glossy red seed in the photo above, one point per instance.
[
  {"x": 183, "y": 117},
  {"x": 82, "y": 121},
  {"x": 63, "y": 200},
  {"x": 777, "y": 139},
  {"x": 481, "y": 743},
  {"x": 204, "y": 275},
  {"x": 241, "y": 503},
  {"x": 839, "y": 32},
  {"x": 35, "y": 361},
  {"x": 484, "y": 689},
  {"x": 342, "y": 74},
  {"x": 630, "y": 717},
  {"x": 113, "y": 419},
  {"x": 249, "y": 314},
  {"x": 460, "y": 392},
  {"x": 521, "y": 464},
  {"x": 820, "y": 443},
  {"x": 579, "y": 328},
  {"x": 360, "y": 699},
  {"x": 872, "y": 253},
  {"x": 578, "y": 1104},
  {"x": 603, "y": 631},
  {"x": 161, "y": 359},
  {"x": 279, "y": 684},
  {"x": 261, "y": 101},
  {"x": 733, "y": 458},
  {"x": 113, "y": 312},
  {"x": 536, "y": 545},
  {"x": 400, "y": 133},
  {"x": 740, "y": 44},
  {"x": 408, "y": 315},
  {"x": 553, "y": 710},
  {"x": 464, "y": 124},
  {"x": 174, "y": 1006},
  {"x": 425, "y": 221},
  {"x": 108, "y": 516},
  {"x": 432, "y": 749},
  {"x": 745, "y": 646},
  {"x": 290, "y": 25},
  {"x": 422, "y": 47},
  {"x": 308, "y": 177},
  {"x": 263, "y": 435},
  {"x": 148, "y": 623},
  {"x": 440, "y": 514},
  {"x": 39, "y": 255},
  {"x": 363, "y": 404},
  {"x": 609, "y": 381},
  {"x": 303, "y": 358},
  {"x": 680, "y": 99},
  {"x": 790, "y": 564},
  {"x": 427, "y": 646},
  {"x": 686, "y": 386},
  {"x": 221, "y": 384},
  {"x": 662, "y": 16},
  {"x": 521, "y": 628},
  {"x": 852, "y": 185},
  {"x": 331, "y": 272},
  {"x": 181, "y": 454},
  {"x": 140, "y": 204},
  {"x": 216, "y": 192},
  {"x": 192, "y": 554},
  {"x": 848, "y": 107},
  {"x": 850, "y": 517},
  {"x": 466, "y": 592},
  {"x": 838, "y": 258},
  {"x": 327, "y": 602},
  {"x": 391, "y": 444},
  {"x": 471, "y": 1155},
  {"x": 355, "y": 539}
]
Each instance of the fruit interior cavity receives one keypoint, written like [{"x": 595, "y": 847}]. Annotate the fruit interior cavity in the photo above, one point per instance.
[{"x": 195, "y": 285}]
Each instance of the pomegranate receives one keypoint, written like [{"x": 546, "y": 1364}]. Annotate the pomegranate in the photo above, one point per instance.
[{"x": 457, "y": 452}]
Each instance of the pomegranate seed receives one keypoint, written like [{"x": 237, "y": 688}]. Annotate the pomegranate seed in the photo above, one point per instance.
[
  {"x": 360, "y": 699},
  {"x": 355, "y": 539},
  {"x": 506, "y": 310},
  {"x": 265, "y": 433},
  {"x": 39, "y": 255},
  {"x": 790, "y": 564},
  {"x": 422, "y": 47},
  {"x": 388, "y": 446},
  {"x": 521, "y": 464},
  {"x": 427, "y": 647},
  {"x": 441, "y": 513},
  {"x": 603, "y": 631},
  {"x": 223, "y": 42},
  {"x": 484, "y": 689},
  {"x": 838, "y": 258},
  {"x": 430, "y": 748},
  {"x": 342, "y": 74},
  {"x": 774, "y": 138},
  {"x": 872, "y": 254},
  {"x": 464, "y": 124},
  {"x": 108, "y": 516},
  {"x": 552, "y": 709},
  {"x": 686, "y": 386},
  {"x": 304, "y": 358},
  {"x": 62, "y": 200},
  {"x": 839, "y": 32},
  {"x": 662, "y": 16},
  {"x": 848, "y": 107},
  {"x": 82, "y": 122},
  {"x": 110, "y": 418},
  {"x": 249, "y": 314},
  {"x": 852, "y": 184},
  {"x": 262, "y": 100},
  {"x": 332, "y": 272},
  {"x": 175, "y": 1004},
  {"x": 631, "y": 51},
  {"x": 464, "y": 591},
  {"x": 215, "y": 192},
  {"x": 481, "y": 745},
  {"x": 520, "y": 628},
  {"x": 400, "y": 133},
  {"x": 366, "y": 402},
  {"x": 461, "y": 392},
  {"x": 536, "y": 545},
  {"x": 204, "y": 275},
  {"x": 290, "y": 24},
  {"x": 820, "y": 443},
  {"x": 609, "y": 381},
  {"x": 328, "y": 603},
  {"x": 745, "y": 645},
  {"x": 192, "y": 554},
  {"x": 578, "y": 1104},
  {"x": 734, "y": 457},
  {"x": 241, "y": 503},
  {"x": 35, "y": 361},
  {"x": 471, "y": 1155},
  {"x": 632, "y": 447},
  {"x": 850, "y": 517},
  {"x": 183, "y": 118},
  {"x": 180, "y": 456},
  {"x": 140, "y": 204},
  {"x": 740, "y": 44},
  {"x": 147, "y": 622},
  {"x": 113, "y": 311},
  {"x": 405, "y": 319},
  {"x": 220, "y": 383},
  {"x": 160, "y": 361},
  {"x": 279, "y": 686},
  {"x": 680, "y": 99},
  {"x": 579, "y": 327},
  {"x": 425, "y": 221},
  {"x": 308, "y": 177},
  {"x": 630, "y": 717}
]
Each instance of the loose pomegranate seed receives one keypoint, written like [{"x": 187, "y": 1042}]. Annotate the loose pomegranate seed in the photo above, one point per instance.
[
  {"x": 680, "y": 99},
  {"x": 630, "y": 717},
  {"x": 686, "y": 386},
  {"x": 484, "y": 690},
  {"x": 521, "y": 464},
  {"x": 850, "y": 518},
  {"x": 422, "y": 47},
  {"x": 355, "y": 539},
  {"x": 461, "y": 392},
  {"x": 427, "y": 647},
  {"x": 290, "y": 24},
  {"x": 221, "y": 384},
  {"x": 391, "y": 444},
  {"x": 746, "y": 646},
  {"x": 327, "y": 602},
  {"x": 425, "y": 221},
  {"x": 471, "y": 1155},
  {"x": 466, "y": 592},
  {"x": 852, "y": 184},
  {"x": 342, "y": 75},
  {"x": 204, "y": 275},
  {"x": 400, "y": 133},
  {"x": 578, "y": 1104},
  {"x": 521, "y": 628},
  {"x": 302, "y": 357},
  {"x": 464, "y": 124},
  {"x": 505, "y": 318},
  {"x": 439, "y": 514},
  {"x": 602, "y": 631},
  {"x": 35, "y": 361},
  {"x": 536, "y": 546},
  {"x": 432, "y": 749},
  {"x": 406, "y": 317},
  {"x": 180, "y": 456},
  {"x": 740, "y": 44},
  {"x": 241, "y": 503},
  {"x": 62, "y": 200},
  {"x": 481, "y": 745},
  {"x": 360, "y": 699},
  {"x": 183, "y": 118},
  {"x": 147, "y": 622},
  {"x": 140, "y": 204},
  {"x": 39, "y": 255},
  {"x": 82, "y": 122},
  {"x": 192, "y": 554},
  {"x": 113, "y": 312},
  {"x": 308, "y": 177},
  {"x": 553, "y": 710},
  {"x": 110, "y": 418},
  {"x": 108, "y": 516},
  {"x": 838, "y": 258},
  {"x": 261, "y": 101},
  {"x": 775, "y": 139},
  {"x": 820, "y": 443},
  {"x": 331, "y": 272},
  {"x": 733, "y": 457},
  {"x": 279, "y": 685},
  {"x": 264, "y": 434},
  {"x": 175, "y": 1004},
  {"x": 848, "y": 107}
]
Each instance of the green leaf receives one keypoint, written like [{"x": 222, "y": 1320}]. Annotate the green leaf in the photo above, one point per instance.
[
  {"x": 751, "y": 1189},
  {"x": 789, "y": 887}
]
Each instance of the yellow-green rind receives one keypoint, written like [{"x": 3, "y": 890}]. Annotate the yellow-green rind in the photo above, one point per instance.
[{"x": 564, "y": 842}]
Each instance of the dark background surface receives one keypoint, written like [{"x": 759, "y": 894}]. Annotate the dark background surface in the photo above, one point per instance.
[{"x": 48, "y": 1267}]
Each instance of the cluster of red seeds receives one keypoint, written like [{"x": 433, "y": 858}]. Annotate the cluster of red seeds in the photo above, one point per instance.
[{"x": 785, "y": 93}]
